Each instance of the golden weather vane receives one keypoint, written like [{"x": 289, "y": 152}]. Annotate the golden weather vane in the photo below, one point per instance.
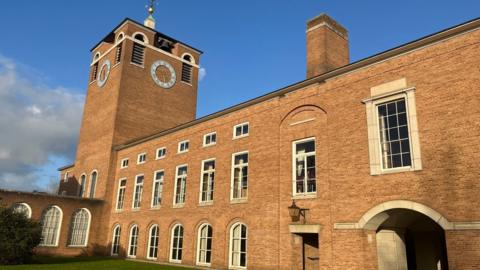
[{"x": 150, "y": 21}]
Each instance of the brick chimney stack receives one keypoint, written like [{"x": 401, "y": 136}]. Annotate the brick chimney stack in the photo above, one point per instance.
[{"x": 327, "y": 45}]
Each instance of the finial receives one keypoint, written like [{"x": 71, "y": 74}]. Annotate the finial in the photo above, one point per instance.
[{"x": 150, "y": 21}]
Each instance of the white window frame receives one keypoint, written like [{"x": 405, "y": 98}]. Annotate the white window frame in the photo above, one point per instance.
[
  {"x": 27, "y": 207},
  {"x": 294, "y": 169},
  {"x": 149, "y": 243},
  {"x": 199, "y": 238},
  {"x": 118, "y": 194},
  {"x": 161, "y": 183},
  {"x": 230, "y": 246},
  {"x": 374, "y": 143},
  {"x": 114, "y": 239},
  {"x": 139, "y": 157},
  {"x": 175, "y": 204},
  {"x": 87, "y": 230},
  {"x": 82, "y": 186},
  {"x": 158, "y": 151},
  {"x": 202, "y": 171},
  {"x": 243, "y": 135},
  {"x": 232, "y": 199},
  {"x": 130, "y": 244},
  {"x": 91, "y": 194},
  {"x": 122, "y": 163},
  {"x": 211, "y": 143},
  {"x": 65, "y": 176},
  {"x": 172, "y": 236},
  {"x": 59, "y": 228},
  {"x": 180, "y": 146},
  {"x": 135, "y": 191}
]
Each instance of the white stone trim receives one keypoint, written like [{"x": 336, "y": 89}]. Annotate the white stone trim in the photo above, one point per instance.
[
  {"x": 387, "y": 92},
  {"x": 375, "y": 216},
  {"x": 304, "y": 228}
]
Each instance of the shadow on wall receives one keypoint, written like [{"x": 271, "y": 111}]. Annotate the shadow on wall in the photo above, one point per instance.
[{"x": 69, "y": 187}]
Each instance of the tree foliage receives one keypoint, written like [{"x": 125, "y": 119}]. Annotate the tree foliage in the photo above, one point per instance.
[{"x": 18, "y": 236}]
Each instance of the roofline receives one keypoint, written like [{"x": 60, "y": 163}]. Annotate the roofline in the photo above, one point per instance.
[
  {"x": 45, "y": 194},
  {"x": 148, "y": 28},
  {"x": 407, "y": 47},
  {"x": 65, "y": 167}
]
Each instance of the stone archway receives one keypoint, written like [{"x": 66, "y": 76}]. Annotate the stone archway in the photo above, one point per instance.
[{"x": 409, "y": 236}]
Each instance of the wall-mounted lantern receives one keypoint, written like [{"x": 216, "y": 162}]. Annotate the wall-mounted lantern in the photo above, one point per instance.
[{"x": 296, "y": 212}]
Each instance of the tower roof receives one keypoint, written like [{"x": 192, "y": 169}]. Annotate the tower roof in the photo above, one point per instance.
[{"x": 147, "y": 28}]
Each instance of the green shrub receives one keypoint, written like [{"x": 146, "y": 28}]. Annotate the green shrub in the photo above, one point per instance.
[{"x": 18, "y": 236}]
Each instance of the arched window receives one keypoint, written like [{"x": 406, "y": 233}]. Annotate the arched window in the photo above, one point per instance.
[
  {"x": 95, "y": 67},
  {"x": 81, "y": 188},
  {"x": 51, "y": 222},
  {"x": 22, "y": 208},
  {"x": 153, "y": 243},
  {"x": 116, "y": 240},
  {"x": 204, "y": 245},
  {"x": 238, "y": 246},
  {"x": 93, "y": 183},
  {"x": 176, "y": 244},
  {"x": 133, "y": 242},
  {"x": 138, "y": 52},
  {"x": 118, "y": 50},
  {"x": 187, "y": 68},
  {"x": 79, "y": 228}
]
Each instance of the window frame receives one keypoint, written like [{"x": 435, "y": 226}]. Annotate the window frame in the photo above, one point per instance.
[
  {"x": 149, "y": 244},
  {"x": 82, "y": 186},
  {"x": 59, "y": 227},
  {"x": 87, "y": 231},
  {"x": 230, "y": 246},
  {"x": 294, "y": 169},
  {"x": 135, "y": 191},
  {"x": 382, "y": 96},
  {"x": 114, "y": 236},
  {"x": 199, "y": 238},
  {"x": 144, "y": 154},
  {"x": 172, "y": 236},
  {"x": 232, "y": 178},
  {"x": 205, "y": 139},
  {"x": 157, "y": 157},
  {"x": 130, "y": 241},
  {"x": 118, "y": 194},
  {"x": 122, "y": 163},
  {"x": 202, "y": 171},
  {"x": 26, "y": 205},
  {"x": 243, "y": 135},
  {"x": 175, "y": 204},
  {"x": 187, "y": 142},
  {"x": 92, "y": 189},
  {"x": 161, "y": 183}
]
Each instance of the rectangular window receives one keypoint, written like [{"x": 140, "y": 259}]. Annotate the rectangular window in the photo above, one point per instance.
[
  {"x": 210, "y": 139},
  {"x": 118, "y": 53},
  {"x": 142, "y": 158},
  {"x": 121, "y": 193},
  {"x": 94, "y": 72},
  {"x": 138, "y": 54},
  {"x": 186, "y": 73},
  {"x": 124, "y": 163},
  {"x": 161, "y": 152},
  {"x": 304, "y": 169},
  {"x": 180, "y": 185},
  {"x": 394, "y": 135},
  {"x": 239, "y": 184},
  {"x": 183, "y": 146},
  {"x": 208, "y": 179},
  {"x": 240, "y": 130},
  {"x": 137, "y": 197},
  {"x": 157, "y": 189}
]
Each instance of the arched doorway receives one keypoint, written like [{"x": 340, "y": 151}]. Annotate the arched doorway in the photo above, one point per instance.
[{"x": 408, "y": 240}]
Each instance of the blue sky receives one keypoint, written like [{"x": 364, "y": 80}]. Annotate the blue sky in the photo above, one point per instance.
[{"x": 251, "y": 47}]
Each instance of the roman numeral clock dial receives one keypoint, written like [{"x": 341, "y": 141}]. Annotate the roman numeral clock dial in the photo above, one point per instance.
[{"x": 163, "y": 74}]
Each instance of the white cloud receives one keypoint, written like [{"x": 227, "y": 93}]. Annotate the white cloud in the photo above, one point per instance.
[
  {"x": 36, "y": 122},
  {"x": 202, "y": 72}
]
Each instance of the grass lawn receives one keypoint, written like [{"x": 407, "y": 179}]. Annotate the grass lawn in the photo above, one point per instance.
[{"x": 88, "y": 263}]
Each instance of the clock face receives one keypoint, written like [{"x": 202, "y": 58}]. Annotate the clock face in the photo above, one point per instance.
[
  {"x": 102, "y": 75},
  {"x": 163, "y": 74}
]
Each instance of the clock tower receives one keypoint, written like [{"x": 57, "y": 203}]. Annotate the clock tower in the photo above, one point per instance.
[{"x": 141, "y": 82}]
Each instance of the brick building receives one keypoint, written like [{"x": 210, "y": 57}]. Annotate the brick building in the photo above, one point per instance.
[{"x": 379, "y": 157}]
